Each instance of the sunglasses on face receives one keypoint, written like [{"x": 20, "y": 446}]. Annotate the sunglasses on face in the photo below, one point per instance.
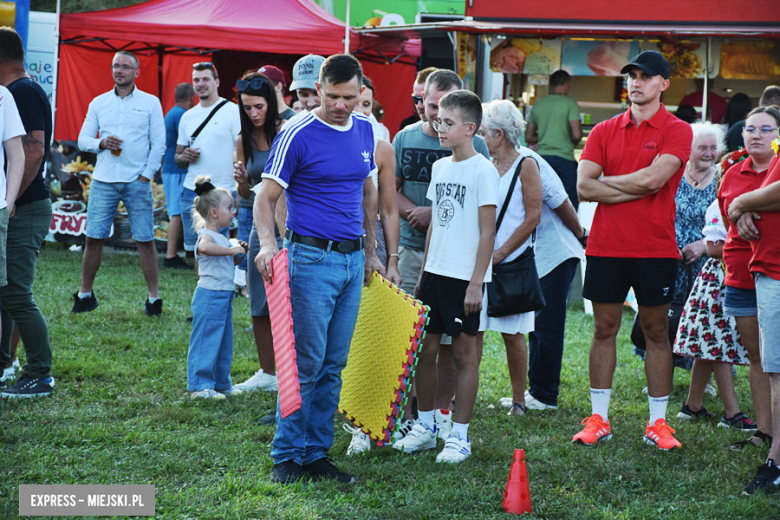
[
  {"x": 255, "y": 84},
  {"x": 764, "y": 130},
  {"x": 417, "y": 99}
]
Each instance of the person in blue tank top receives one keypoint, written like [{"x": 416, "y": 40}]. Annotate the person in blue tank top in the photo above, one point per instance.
[{"x": 322, "y": 161}]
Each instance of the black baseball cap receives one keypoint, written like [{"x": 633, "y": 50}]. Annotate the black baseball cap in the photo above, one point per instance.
[{"x": 651, "y": 63}]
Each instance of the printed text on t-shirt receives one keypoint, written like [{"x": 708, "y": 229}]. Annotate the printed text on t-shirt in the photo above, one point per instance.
[{"x": 416, "y": 163}]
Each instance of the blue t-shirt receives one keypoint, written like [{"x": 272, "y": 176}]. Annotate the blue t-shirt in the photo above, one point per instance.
[
  {"x": 171, "y": 135},
  {"x": 323, "y": 169}
]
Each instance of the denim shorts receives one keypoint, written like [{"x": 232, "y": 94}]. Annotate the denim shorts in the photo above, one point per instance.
[
  {"x": 740, "y": 302},
  {"x": 768, "y": 298},
  {"x": 104, "y": 197},
  {"x": 173, "y": 184}
]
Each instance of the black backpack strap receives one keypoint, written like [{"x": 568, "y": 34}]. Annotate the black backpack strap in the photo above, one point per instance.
[{"x": 206, "y": 121}]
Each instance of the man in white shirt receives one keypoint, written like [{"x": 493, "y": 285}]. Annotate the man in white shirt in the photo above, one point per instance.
[
  {"x": 129, "y": 151},
  {"x": 11, "y": 132},
  {"x": 210, "y": 152}
]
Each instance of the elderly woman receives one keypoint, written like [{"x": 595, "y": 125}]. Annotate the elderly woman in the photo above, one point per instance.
[
  {"x": 559, "y": 244},
  {"x": 694, "y": 195},
  {"x": 502, "y": 126}
]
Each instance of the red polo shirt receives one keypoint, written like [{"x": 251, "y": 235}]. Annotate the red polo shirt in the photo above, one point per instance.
[
  {"x": 740, "y": 178},
  {"x": 641, "y": 228},
  {"x": 766, "y": 250}
]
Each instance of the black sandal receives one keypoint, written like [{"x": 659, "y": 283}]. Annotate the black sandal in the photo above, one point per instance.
[
  {"x": 515, "y": 407},
  {"x": 741, "y": 445}
]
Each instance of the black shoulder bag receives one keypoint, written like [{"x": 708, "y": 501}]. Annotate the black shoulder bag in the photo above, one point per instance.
[
  {"x": 198, "y": 130},
  {"x": 515, "y": 288}
]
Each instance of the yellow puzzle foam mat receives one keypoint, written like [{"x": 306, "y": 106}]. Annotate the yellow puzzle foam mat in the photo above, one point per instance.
[{"x": 388, "y": 334}]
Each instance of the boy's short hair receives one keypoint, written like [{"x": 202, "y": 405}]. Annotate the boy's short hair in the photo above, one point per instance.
[
  {"x": 468, "y": 105},
  {"x": 443, "y": 80}
]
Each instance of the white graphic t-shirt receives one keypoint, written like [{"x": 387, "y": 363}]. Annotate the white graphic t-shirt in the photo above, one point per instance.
[{"x": 457, "y": 190}]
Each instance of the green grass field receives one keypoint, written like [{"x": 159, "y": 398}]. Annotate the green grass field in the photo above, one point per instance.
[{"x": 121, "y": 415}]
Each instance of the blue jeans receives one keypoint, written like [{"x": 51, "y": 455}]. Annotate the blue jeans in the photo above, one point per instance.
[
  {"x": 211, "y": 341},
  {"x": 545, "y": 343},
  {"x": 567, "y": 171},
  {"x": 190, "y": 235},
  {"x": 325, "y": 289},
  {"x": 245, "y": 222}
]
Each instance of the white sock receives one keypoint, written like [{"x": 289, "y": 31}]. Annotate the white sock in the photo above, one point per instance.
[
  {"x": 83, "y": 295},
  {"x": 461, "y": 429},
  {"x": 425, "y": 418},
  {"x": 152, "y": 300},
  {"x": 657, "y": 408},
  {"x": 599, "y": 401}
]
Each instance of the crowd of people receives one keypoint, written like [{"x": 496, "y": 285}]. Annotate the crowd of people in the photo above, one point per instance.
[{"x": 455, "y": 195}]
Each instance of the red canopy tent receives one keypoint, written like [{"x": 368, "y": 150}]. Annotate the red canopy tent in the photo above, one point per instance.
[{"x": 168, "y": 36}]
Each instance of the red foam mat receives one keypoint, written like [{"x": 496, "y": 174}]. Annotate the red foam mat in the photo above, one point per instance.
[{"x": 280, "y": 309}]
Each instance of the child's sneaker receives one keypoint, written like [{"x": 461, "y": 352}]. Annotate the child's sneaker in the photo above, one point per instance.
[
  {"x": 207, "y": 393},
  {"x": 403, "y": 430},
  {"x": 739, "y": 422},
  {"x": 443, "y": 420},
  {"x": 660, "y": 435},
  {"x": 687, "y": 414},
  {"x": 421, "y": 438},
  {"x": 455, "y": 449},
  {"x": 595, "y": 430},
  {"x": 360, "y": 441}
]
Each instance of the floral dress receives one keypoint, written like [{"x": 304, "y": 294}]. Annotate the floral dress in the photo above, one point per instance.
[{"x": 705, "y": 332}]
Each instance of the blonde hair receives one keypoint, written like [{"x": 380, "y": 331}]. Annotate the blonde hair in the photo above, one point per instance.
[{"x": 204, "y": 203}]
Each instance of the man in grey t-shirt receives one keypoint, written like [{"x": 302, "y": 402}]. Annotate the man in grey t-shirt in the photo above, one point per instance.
[{"x": 416, "y": 148}]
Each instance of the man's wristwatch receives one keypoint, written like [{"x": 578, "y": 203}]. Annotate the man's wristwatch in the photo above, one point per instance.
[{"x": 584, "y": 238}]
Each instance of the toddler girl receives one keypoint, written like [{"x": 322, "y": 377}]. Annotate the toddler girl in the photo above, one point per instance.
[{"x": 211, "y": 342}]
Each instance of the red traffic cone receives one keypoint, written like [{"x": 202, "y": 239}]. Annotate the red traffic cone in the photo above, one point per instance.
[{"x": 517, "y": 496}]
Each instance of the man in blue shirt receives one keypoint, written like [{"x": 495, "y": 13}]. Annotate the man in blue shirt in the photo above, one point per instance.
[
  {"x": 173, "y": 176},
  {"x": 322, "y": 160}
]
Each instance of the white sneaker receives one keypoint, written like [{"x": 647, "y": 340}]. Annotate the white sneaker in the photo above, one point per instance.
[
  {"x": 710, "y": 390},
  {"x": 360, "y": 441},
  {"x": 455, "y": 450},
  {"x": 533, "y": 403},
  {"x": 419, "y": 439},
  {"x": 403, "y": 430},
  {"x": 8, "y": 373},
  {"x": 259, "y": 381},
  {"x": 506, "y": 402},
  {"x": 207, "y": 393},
  {"x": 443, "y": 423}
]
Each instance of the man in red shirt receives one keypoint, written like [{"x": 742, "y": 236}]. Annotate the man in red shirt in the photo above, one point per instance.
[
  {"x": 757, "y": 214},
  {"x": 716, "y": 105},
  {"x": 642, "y": 156}
]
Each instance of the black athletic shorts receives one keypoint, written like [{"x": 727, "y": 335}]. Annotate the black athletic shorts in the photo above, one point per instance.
[
  {"x": 607, "y": 280},
  {"x": 445, "y": 297}
]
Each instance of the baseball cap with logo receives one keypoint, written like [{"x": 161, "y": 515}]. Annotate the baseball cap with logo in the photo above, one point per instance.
[
  {"x": 306, "y": 72},
  {"x": 273, "y": 73},
  {"x": 651, "y": 63}
]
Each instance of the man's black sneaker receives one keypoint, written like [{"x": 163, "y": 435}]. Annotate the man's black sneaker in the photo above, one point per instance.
[
  {"x": 287, "y": 472},
  {"x": 324, "y": 468},
  {"x": 30, "y": 387},
  {"x": 767, "y": 478},
  {"x": 87, "y": 304},
  {"x": 688, "y": 414},
  {"x": 176, "y": 263},
  {"x": 153, "y": 309}
]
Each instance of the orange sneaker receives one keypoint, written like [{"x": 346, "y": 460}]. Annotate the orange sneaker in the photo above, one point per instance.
[
  {"x": 595, "y": 430},
  {"x": 660, "y": 435}
]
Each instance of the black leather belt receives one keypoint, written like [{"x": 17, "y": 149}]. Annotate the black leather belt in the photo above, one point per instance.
[{"x": 345, "y": 246}]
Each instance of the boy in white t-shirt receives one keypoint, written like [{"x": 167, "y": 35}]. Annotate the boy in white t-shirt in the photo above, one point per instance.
[{"x": 458, "y": 249}]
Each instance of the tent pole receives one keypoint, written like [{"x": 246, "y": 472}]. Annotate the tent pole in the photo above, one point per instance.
[
  {"x": 346, "y": 31},
  {"x": 56, "y": 70},
  {"x": 160, "y": 72},
  {"x": 705, "y": 98}
]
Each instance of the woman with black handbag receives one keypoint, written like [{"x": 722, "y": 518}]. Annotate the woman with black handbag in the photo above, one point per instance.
[{"x": 515, "y": 293}]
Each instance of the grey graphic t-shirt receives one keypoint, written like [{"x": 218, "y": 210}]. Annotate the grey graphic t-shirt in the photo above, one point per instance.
[{"x": 415, "y": 153}]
